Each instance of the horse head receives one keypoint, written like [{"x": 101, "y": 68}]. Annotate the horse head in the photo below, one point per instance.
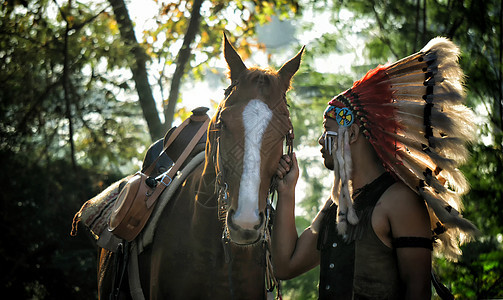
[{"x": 246, "y": 142}]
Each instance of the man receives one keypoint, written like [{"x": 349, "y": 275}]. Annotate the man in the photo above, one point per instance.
[{"x": 394, "y": 141}]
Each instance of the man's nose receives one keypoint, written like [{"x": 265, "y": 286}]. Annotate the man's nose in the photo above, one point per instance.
[{"x": 321, "y": 140}]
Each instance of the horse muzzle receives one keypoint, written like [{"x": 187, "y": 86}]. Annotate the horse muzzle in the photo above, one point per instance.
[{"x": 245, "y": 230}]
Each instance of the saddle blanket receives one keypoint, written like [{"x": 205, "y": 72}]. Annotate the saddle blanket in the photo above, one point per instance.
[{"x": 95, "y": 213}]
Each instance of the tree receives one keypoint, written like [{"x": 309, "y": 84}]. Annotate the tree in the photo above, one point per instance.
[
  {"x": 54, "y": 77},
  {"x": 201, "y": 29},
  {"x": 57, "y": 65},
  {"x": 40, "y": 260},
  {"x": 138, "y": 69}
]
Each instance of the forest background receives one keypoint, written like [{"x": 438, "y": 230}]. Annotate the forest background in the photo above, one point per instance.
[{"x": 84, "y": 91}]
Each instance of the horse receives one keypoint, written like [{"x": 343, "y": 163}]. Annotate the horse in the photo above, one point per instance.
[{"x": 211, "y": 239}]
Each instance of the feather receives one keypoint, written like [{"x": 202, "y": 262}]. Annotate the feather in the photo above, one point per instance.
[
  {"x": 442, "y": 48},
  {"x": 414, "y": 77},
  {"x": 451, "y": 147},
  {"x": 463, "y": 119},
  {"x": 335, "y": 187},
  {"x": 453, "y": 199},
  {"x": 448, "y": 245},
  {"x": 443, "y": 147},
  {"x": 445, "y": 213},
  {"x": 342, "y": 226},
  {"x": 343, "y": 208},
  {"x": 413, "y": 113},
  {"x": 437, "y": 186},
  {"x": 457, "y": 181},
  {"x": 407, "y": 64}
]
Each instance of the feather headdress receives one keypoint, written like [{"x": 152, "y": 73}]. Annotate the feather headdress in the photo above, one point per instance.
[{"x": 412, "y": 113}]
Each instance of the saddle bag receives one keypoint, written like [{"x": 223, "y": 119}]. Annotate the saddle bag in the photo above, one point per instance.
[{"x": 136, "y": 201}]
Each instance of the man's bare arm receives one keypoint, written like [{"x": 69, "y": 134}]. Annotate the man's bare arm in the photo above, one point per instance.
[
  {"x": 408, "y": 217},
  {"x": 292, "y": 255}
]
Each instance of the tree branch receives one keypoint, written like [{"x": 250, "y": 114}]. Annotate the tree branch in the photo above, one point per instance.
[
  {"x": 424, "y": 24},
  {"x": 138, "y": 69},
  {"x": 500, "y": 89},
  {"x": 66, "y": 79},
  {"x": 181, "y": 62},
  {"x": 456, "y": 23},
  {"x": 416, "y": 32},
  {"x": 384, "y": 39}
]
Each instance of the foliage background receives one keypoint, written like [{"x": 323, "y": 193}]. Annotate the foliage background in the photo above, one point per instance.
[{"x": 73, "y": 116}]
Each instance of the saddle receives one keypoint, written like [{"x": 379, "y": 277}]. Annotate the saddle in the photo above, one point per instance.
[
  {"x": 137, "y": 199},
  {"x": 122, "y": 210}
]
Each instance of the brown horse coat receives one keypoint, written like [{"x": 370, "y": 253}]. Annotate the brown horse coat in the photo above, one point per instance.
[{"x": 187, "y": 258}]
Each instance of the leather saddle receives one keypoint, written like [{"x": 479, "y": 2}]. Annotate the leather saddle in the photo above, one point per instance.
[
  {"x": 169, "y": 157},
  {"x": 136, "y": 200}
]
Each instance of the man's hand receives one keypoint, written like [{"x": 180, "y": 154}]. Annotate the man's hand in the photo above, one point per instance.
[{"x": 288, "y": 173}]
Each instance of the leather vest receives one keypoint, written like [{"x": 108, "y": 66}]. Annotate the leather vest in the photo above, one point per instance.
[{"x": 359, "y": 265}]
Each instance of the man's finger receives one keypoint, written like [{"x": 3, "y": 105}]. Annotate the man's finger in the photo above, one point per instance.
[{"x": 284, "y": 165}]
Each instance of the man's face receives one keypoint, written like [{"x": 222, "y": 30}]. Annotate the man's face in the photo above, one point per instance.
[{"x": 330, "y": 127}]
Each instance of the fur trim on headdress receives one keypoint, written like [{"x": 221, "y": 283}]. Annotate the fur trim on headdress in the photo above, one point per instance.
[
  {"x": 341, "y": 189},
  {"x": 412, "y": 113}
]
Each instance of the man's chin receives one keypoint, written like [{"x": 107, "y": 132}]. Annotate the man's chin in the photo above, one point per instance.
[
  {"x": 327, "y": 160},
  {"x": 329, "y": 164}
]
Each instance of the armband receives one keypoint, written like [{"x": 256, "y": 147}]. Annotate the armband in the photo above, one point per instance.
[{"x": 413, "y": 242}]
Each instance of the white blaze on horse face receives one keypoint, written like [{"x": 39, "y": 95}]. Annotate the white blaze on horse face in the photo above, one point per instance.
[{"x": 256, "y": 117}]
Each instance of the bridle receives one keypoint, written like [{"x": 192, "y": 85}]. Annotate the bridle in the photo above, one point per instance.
[
  {"x": 222, "y": 192},
  {"x": 221, "y": 186}
]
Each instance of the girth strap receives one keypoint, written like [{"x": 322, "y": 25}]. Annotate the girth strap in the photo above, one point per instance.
[{"x": 134, "y": 274}]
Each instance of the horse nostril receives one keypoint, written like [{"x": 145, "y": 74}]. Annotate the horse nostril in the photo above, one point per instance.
[
  {"x": 230, "y": 219},
  {"x": 237, "y": 220},
  {"x": 261, "y": 221}
]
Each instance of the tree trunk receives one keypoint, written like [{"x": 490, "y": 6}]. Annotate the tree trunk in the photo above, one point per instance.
[
  {"x": 181, "y": 62},
  {"x": 500, "y": 102},
  {"x": 416, "y": 32},
  {"x": 139, "y": 70},
  {"x": 66, "y": 89},
  {"x": 425, "y": 36}
]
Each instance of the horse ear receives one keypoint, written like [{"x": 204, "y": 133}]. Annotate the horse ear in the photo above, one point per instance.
[
  {"x": 236, "y": 65},
  {"x": 287, "y": 71}
]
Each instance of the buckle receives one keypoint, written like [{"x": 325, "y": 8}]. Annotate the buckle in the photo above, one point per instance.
[{"x": 162, "y": 177}]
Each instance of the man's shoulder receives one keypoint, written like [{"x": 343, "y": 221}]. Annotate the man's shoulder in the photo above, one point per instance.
[
  {"x": 400, "y": 200},
  {"x": 403, "y": 206},
  {"x": 400, "y": 194}
]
